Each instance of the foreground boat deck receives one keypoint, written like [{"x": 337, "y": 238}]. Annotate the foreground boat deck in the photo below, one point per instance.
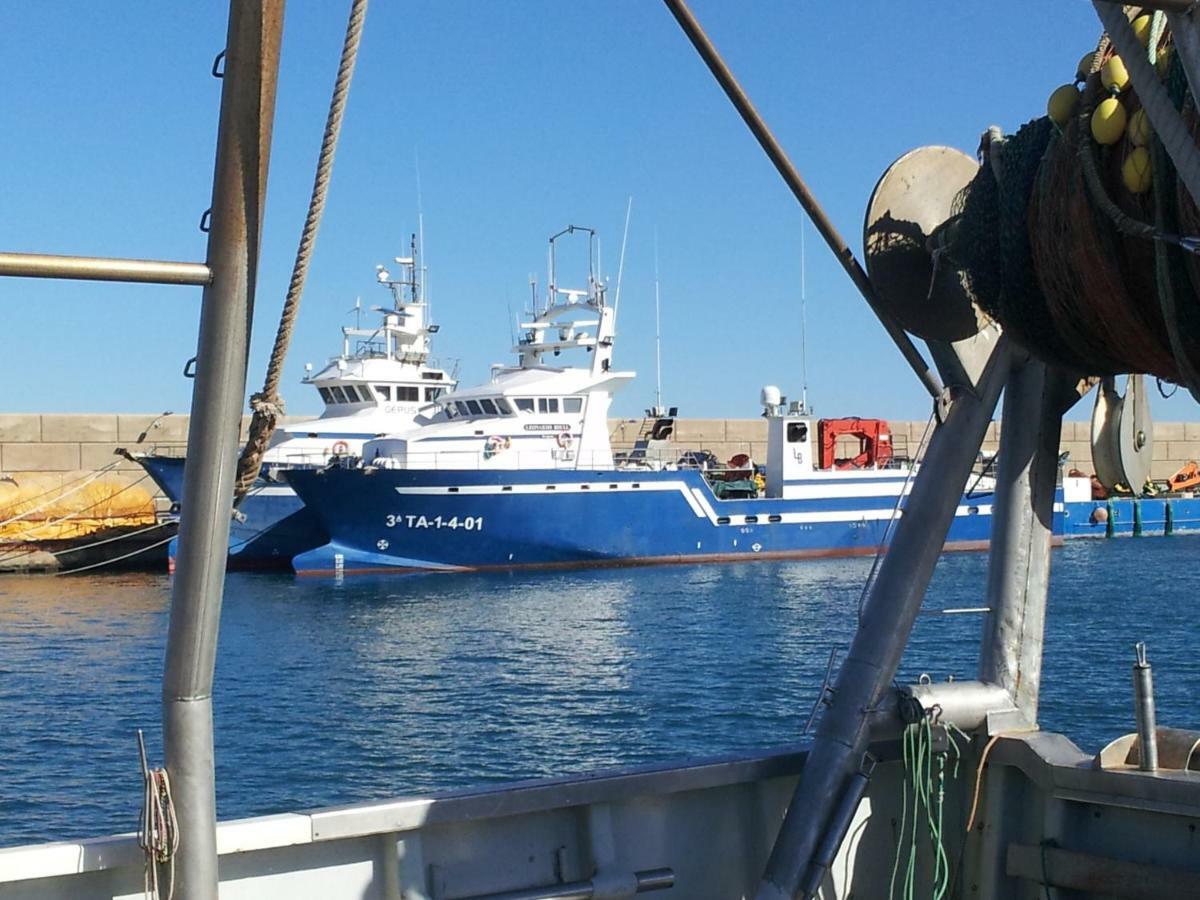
[{"x": 1045, "y": 812}]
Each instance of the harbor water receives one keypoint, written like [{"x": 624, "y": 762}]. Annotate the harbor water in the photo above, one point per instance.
[{"x": 332, "y": 692}]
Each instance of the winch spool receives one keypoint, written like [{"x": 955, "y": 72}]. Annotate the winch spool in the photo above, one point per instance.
[
  {"x": 911, "y": 275},
  {"x": 1083, "y": 251}
]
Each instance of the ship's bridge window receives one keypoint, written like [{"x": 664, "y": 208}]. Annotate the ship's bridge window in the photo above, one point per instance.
[
  {"x": 451, "y": 412},
  {"x": 407, "y": 394},
  {"x": 432, "y": 394},
  {"x": 547, "y": 404},
  {"x": 797, "y": 432},
  {"x": 384, "y": 391},
  {"x": 326, "y": 395},
  {"x": 572, "y": 404},
  {"x": 351, "y": 393},
  {"x": 474, "y": 407},
  {"x": 488, "y": 407},
  {"x": 524, "y": 404},
  {"x": 339, "y": 396},
  {"x": 462, "y": 408},
  {"x": 502, "y": 405}
]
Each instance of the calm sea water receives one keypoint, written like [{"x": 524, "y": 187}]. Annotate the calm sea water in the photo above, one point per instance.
[{"x": 330, "y": 693}]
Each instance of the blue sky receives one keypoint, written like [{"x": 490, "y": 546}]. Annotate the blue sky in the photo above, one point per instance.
[{"x": 525, "y": 117}]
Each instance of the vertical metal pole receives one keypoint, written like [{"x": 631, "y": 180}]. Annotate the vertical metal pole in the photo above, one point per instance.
[
  {"x": 1022, "y": 526},
  {"x": 239, "y": 189},
  {"x": 1143, "y": 699},
  {"x": 888, "y": 615}
]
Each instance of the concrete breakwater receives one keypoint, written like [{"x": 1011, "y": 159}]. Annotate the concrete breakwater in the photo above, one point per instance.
[{"x": 70, "y": 447}]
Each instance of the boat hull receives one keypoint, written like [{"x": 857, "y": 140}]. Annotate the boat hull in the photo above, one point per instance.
[
  {"x": 410, "y": 520},
  {"x": 271, "y": 526},
  {"x": 1129, "y": 516}
]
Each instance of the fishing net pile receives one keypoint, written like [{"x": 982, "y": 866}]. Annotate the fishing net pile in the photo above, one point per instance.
[
  {"x": 1077, "y": 235},
  {"x": 45, "y": 507}
]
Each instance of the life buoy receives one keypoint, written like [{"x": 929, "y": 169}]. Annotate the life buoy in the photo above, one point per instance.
[
  {"x": 340, "y": 448},
  {"x": 564, "y": 439},
  {"x": 495, "y": 444}
]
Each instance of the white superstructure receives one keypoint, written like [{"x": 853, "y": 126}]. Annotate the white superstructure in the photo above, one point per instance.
[
  {"x": 378, "y": 384},
  {"x": 535, "y": 414}
]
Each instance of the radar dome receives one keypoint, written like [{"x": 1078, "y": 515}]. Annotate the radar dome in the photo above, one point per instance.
[{"x": 770, "y": 396}]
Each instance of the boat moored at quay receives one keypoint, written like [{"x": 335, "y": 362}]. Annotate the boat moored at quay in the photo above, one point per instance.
[
  {"x": 991, "y": 804},
  {"x": 520, "y": 472},
  {"x": 379, "y": 382}
]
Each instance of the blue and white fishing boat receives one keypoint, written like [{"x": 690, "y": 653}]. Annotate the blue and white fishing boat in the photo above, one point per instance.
[
  {"x": 378, "y": 384},
  {"x": 520, "y": 472}
]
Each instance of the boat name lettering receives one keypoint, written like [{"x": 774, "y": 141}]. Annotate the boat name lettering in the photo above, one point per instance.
[
  {"x": 468, "y": 523},
  {"x": 542, "y": 427}
]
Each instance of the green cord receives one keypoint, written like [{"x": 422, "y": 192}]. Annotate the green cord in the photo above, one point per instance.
[
  {"x": 929, "y": 794},
  {"x": 903, "y": 817}
]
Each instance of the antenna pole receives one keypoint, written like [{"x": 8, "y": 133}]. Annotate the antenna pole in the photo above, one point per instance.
[
  {"x": 423, "y": 298},
  {"x": 550, "y": 287},
  {"x": 621, "y": 263},
  {"x": 657, "y": 331},
  {"x": 803, "y": 328},
  {"x": 787, "y": 171}
]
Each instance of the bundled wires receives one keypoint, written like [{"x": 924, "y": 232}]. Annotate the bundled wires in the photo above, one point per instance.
[{"x": 926, "y": 748}]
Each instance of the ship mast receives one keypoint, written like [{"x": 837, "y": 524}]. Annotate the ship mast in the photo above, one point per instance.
[{"x": 658, "y": 407}]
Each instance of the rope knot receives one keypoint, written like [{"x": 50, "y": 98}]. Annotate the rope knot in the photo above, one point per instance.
[{"x": 264, "y": 404}]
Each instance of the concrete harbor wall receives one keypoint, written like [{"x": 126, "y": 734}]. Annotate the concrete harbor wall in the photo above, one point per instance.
[{"x": 69, "y": 445}]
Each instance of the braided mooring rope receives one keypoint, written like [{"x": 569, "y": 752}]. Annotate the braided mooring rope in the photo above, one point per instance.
[{"x": 266, "y": 404}]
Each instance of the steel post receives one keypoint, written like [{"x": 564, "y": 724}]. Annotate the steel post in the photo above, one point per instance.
[
  {"x": 239, "y": 190},
  {"x": 1143, "y": 699},
  {"x": 1022, "y": 527},
  {"x": 887, "y": 618}
]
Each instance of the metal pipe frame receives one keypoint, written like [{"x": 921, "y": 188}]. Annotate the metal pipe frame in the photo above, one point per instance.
[
  {"x": 98, "y": 268},
  {"x": 239, "y": 192},
  {"x": 1022, "y": 526},
  {"x": 791, "y": 176},
  {"x": 892, "y": 607}
]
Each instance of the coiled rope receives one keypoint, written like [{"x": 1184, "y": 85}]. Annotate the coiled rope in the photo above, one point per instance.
[
  {"x": 266, "y": 404},
  {"x": 158, "y": 829}
]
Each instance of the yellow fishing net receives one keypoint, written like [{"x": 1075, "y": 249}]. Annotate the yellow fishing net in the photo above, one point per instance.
[{"x": 46, "y": 507}]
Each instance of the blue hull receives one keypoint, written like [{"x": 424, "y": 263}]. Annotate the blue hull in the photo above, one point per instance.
[
  {"x": 271, "y": 527},
  {"x": 1128, "y": 516},
  {"x": 167, "y": 473},
  {"x": 448, "y": 520}
]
